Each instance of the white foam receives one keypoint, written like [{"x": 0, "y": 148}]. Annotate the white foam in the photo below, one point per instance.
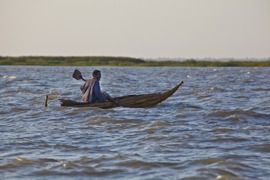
[{"x": 9, "y": 77}]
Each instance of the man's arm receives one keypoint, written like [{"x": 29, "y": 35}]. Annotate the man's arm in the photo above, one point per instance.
[{"x": 84, "y": 87}]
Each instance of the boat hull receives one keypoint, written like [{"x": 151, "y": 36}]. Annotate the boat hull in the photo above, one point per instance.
[{"x": 130, "y": 101}]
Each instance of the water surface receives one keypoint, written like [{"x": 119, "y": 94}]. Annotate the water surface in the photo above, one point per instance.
[{"x": 216, "y": 126}]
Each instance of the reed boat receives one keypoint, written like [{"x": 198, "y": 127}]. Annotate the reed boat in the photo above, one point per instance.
[{"x": 130, "y": 101}]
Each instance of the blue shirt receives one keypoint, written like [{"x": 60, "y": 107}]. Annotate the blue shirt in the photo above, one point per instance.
[{"x": 97, "y": 94}]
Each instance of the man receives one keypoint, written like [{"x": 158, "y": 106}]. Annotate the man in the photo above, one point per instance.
[{"x": 91, "y": 89}]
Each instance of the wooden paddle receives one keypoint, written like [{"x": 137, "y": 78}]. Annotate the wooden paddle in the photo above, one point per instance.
[{"x": 78, "y": 76}]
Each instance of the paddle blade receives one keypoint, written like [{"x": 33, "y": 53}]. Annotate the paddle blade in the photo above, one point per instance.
[{"x": 77, "y": 74}]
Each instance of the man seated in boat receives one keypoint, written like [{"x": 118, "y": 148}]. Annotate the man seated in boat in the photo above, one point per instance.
[{"x": 91, "y": 89}]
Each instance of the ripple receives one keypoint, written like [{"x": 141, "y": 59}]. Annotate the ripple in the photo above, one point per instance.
[
  {"x": 145, "y": 164},
  {"x": 239, "y": 115},
  {"x": 264, "y": 148},
  {"x": 222, "y": 169},
  {"x": 222, "y": 130}
]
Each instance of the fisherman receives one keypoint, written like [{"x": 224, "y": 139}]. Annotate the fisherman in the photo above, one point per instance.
[{"x": 91, "y": 89}]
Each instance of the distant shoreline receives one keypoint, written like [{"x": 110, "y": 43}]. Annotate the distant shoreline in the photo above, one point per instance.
[{"x": 122, "y": 61}]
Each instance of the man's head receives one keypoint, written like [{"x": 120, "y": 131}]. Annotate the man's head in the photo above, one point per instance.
[{"x": 96, "y": 74}]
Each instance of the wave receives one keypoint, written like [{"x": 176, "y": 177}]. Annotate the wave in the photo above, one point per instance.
[
  {"x": 239, "y": 115},
  {"x": 146, "y": 164},
  {"x": 23, "y": 162},
  {"x": 264, "y": 148},
  {"x": 9, "y": 77},
  {"x": 221, "y": 168},
  {"x": 222, "y": 130},
  {"x": 100, "y": 120}
]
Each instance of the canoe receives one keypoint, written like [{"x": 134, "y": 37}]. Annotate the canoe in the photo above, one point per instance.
[{"x": 130, "y": 101}]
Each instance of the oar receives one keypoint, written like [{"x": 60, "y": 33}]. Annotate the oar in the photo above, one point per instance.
[{"x": 78, "y": 75}]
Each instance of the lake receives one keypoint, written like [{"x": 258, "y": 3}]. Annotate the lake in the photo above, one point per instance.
[{"x": 216, "y": 126}]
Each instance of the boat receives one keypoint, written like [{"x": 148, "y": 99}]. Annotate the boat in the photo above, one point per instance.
[{"x": 129, "y": 101}]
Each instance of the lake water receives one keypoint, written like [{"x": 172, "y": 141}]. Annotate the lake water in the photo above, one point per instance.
[{"x": 216, "y": 126}]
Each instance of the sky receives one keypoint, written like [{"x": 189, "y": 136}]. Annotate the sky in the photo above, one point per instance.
[{"x": 136, "y": 28}]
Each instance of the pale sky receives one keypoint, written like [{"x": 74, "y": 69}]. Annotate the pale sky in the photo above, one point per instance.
[{"x": 136, "y": 28}]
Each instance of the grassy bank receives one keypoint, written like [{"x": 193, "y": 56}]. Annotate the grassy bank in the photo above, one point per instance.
[{"x": 119, "y": 61}]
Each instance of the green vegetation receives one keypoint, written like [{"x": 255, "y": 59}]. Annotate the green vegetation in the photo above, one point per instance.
[
  {"x": 70, "y": 61},
  {"x": 119, "y": 61}
]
